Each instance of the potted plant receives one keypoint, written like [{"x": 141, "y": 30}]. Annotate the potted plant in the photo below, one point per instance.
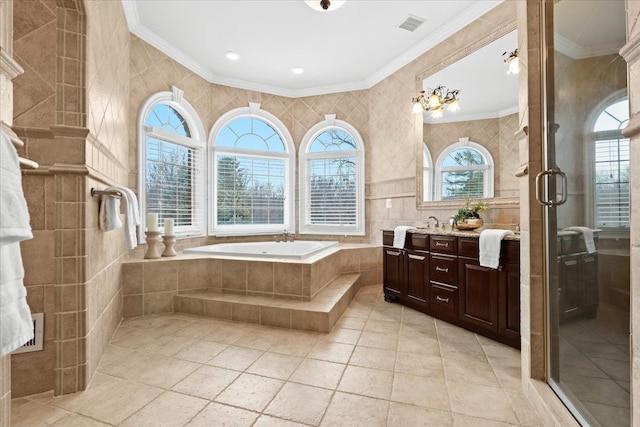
[{"x": 468, "y": 216}]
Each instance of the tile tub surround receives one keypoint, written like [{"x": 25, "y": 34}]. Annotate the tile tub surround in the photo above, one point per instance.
[
  {"x": 149, "y": 286},
  {"x": 180, "y": 370}
]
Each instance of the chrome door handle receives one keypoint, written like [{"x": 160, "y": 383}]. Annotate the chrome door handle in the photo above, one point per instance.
[{"x": 539, "y": 187}]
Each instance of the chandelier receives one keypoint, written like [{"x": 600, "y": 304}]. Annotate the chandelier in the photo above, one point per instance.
[
  {"x": 436, "y": 100},
  {"x": 324, "y": 5},
  {"x": 511, "y": 59}
]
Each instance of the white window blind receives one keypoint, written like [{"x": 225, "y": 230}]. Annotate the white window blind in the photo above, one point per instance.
[
  {"x": 332, "y": 190},
  {"x": 612, "y": 182},
  {"x": 463, "y": 175}
]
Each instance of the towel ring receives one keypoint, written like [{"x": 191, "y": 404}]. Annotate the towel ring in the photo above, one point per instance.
[{"x": 110, "y": 193}]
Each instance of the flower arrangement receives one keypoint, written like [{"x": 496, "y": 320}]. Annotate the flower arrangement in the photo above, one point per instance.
[{"x": 468, "y": 211}]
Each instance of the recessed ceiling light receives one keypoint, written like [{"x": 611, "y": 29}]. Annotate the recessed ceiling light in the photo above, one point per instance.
[
  {"x": 297, "y": 70},
  {"x": 233, "y": 56}
]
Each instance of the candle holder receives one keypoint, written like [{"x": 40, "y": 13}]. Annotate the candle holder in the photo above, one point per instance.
[
  {"x": 169, "y": 242},
  {"x": 153, "y": 245}
]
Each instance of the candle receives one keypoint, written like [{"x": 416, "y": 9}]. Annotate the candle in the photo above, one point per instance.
[
  {"x": 168, "y": 227},
  {"x": 152, "y": 222}
]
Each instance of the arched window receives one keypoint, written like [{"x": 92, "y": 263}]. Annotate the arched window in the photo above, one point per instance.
[
  {"x": 464, "y": 170},
  {"x": 611, "y": 165},
  {"x": 427, "y": 174},
  {"x": 252, "y": 165},
  {"x": 332, "y": 179},
  {"x": 171, "y": 152}
]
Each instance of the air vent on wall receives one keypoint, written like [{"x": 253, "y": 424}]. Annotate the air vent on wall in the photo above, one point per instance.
[
  {"x": 411, "y": 23},
  {"x": 34, "y": 344}
]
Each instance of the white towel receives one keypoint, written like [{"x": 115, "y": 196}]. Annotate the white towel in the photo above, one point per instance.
[
  {"x": 129, "y": 207},
  {"x": 490, "y": 241},
  {"x": 587, "y": 233},
  {"x": 16, "y": 325},
  {"x": 14, "y": 217},
  {"x": 400, "y": 234},
  {"x": 109, "y": 217}
]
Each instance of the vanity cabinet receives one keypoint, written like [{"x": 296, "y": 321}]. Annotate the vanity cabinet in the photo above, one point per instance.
[
  {"x": 441, "y": 275},
  {"x": 578, "y": 278}
]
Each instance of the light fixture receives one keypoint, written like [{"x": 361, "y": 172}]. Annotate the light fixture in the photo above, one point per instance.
[
  {"x": 436, "y": 100},
  {"x": 233, "y": 56},
  {"x": 297, "y": 70},
  {"x": 324, "y": 5},
  {"x": 511, "y": 59}
]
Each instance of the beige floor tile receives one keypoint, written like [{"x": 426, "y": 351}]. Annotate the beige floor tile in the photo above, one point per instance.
[
  {"x": 167, "y": 372},
  {"x": 113, "y": 353},
  {"x": 131, "y": 366},
  {"x": 236, "y": 358},
  {"x": 26, "y": 413},
  {"x": 206, "y": 382},
  {"x": 200, "y": 351},
  {"x": 257, "y": 340},
  {"x": 460, "y": 420},
  {"x": 319, "y": 373},
  {"x": 401, "y": 414},
  {"x": 461, "y": 370},
  {"x": 370, "y": 412},
  {"x": 167, "y": 345},
  {"x": 331, "y": 351},
  {"x": 133, "y": 337},
  {"x": 274, "y": 365},
  {"x": 349, "y": 322},
  {"x": 216, "y": 414},
  {"x": 525, "y": 412},
  {"x": 269, "y": 421},
  {"x": 378, "y": 340},
  {"x": 415, "y": 317},
  {"x": 75, "y": 420},
  {"x": 480, "y": 401},
  {"x": 388, "y": 327},
  {"x": 424, "y": 345},
  {"x": 295, "y": 344},
  {"x": 300, "y": 403},
  {"x": 375, "y": 358},
  {"x": 420, "y": 391},
  {"x": 419, "y": 364},
  {"x": 227, "y": 333},
  {"x": 343, "y": 335},
  {"x": 250, "y": 392},
  {"x": 360, "y": 312},
  {"x": 168, "y": 409},
  {"x": 367, "y": 382},
  {"x": 386, "y": 311}
]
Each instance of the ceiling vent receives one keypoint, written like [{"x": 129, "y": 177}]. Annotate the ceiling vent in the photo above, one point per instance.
[{"x": 411, "y": 23}]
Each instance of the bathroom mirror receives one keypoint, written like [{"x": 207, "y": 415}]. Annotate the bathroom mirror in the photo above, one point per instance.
[{"x": 480, "y": 135}]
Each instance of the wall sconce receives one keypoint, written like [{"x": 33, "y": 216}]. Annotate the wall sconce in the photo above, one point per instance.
[
  {"x": 436, "y": 100},
  {"x": 324, "y": 5},
  {"x": 511, "y": 59}
]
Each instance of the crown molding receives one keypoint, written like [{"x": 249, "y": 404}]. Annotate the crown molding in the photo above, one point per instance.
[
  {"x": 576, "y": 51},
  {"x": 454, "y": 117}
]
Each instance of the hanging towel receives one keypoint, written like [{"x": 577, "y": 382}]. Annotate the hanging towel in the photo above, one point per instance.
[
  {"x": 14, "y": 217},
  {"x": 400, "y": 234},
  {"x": 490, "y": 246},
  {"x": 129, "y": 207},
  {"x": 16, "y": 325},
  {"x": 587, "y": 233},
  {"x": 109, "y": 217}
]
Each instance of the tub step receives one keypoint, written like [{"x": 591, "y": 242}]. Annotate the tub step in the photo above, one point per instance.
[{"x": 318, "y": 315}]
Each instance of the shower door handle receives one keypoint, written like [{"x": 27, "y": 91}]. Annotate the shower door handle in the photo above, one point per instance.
[{"x": 540, "y": 197}]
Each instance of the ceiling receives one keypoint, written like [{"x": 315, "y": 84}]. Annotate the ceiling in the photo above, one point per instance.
[{"x": 351, "y": 48}]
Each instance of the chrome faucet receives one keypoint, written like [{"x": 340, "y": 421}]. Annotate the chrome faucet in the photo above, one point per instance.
[
  {"x": 286, "y": 236},
  {"x": 436, "y": 220}
]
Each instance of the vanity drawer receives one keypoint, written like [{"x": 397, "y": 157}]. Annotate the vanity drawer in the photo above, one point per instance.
[
  {"x": 468, "y": 247},
  {"x": 444, "y": 300},
  {"x": 444, "y": 269},
  {"x": 387, "y": 238},
  {"x": 417, "y": 241},
  {"x": 444, "y": 244}
]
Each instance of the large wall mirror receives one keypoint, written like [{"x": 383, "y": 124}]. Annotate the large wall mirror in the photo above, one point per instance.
[{"x": 472, "y": 152}]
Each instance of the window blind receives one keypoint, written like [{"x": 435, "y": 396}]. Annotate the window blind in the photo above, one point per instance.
[
  {"x": 612, "y": 182},
  {"x": 463, "y": 184},
  {"x": 173, "y": 174},
  {"x": 332, "y": 190}
]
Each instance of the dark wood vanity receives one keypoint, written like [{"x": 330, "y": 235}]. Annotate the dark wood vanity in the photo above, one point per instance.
[{"x": 440, "y": 275}]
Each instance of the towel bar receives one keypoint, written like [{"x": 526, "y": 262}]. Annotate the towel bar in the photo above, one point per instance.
[{"x": 110, "y": 193}]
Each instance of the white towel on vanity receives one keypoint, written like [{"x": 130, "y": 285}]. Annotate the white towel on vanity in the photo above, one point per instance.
[
  {"x": 16, "y": 325},
  {"x": 490, "y": 241},
  {"x": 400, "y": 234},
  {"x": 587, "y": 233},
  {"x": 129, "y": 207}
]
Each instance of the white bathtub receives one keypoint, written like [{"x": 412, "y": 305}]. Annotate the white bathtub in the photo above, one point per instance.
[{"x": 294, "y": 250}]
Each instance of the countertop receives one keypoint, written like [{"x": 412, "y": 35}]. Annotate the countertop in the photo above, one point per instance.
[{"x": 454, "y": 232}]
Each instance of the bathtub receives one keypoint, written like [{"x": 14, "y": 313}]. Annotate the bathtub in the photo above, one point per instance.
[{"x": 299, "y": 249}]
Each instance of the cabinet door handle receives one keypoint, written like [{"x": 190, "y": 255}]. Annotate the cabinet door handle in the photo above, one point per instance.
[
  {"x": 419, "y": 258},
  {"x": 446, "y": 244},
  {"x": 446, "y": 270},
  {"x": 439, "y": 298}
]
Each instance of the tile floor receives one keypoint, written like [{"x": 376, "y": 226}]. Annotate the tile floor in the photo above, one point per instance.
[{"x": 382, "y": 364}]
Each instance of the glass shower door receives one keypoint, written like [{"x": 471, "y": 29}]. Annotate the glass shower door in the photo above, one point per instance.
[{"x": 586, "y": 190}]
